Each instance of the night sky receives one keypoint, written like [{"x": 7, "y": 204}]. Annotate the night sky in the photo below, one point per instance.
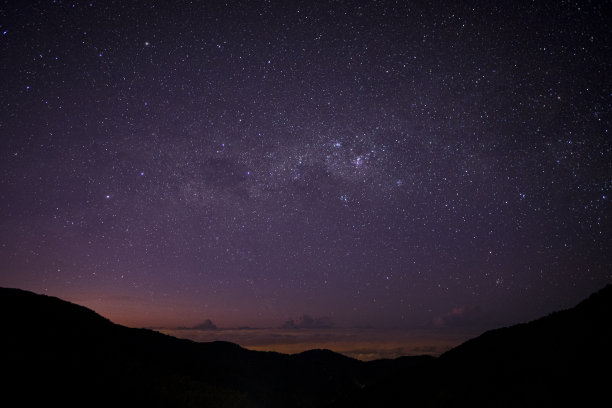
[{"x": 367, "y": 164}]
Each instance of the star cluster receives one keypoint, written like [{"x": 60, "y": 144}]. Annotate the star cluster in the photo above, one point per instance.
[{"x": 376, "y": 163}]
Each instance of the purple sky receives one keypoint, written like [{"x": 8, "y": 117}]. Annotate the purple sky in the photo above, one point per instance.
[{"x": 365, "y": 163}]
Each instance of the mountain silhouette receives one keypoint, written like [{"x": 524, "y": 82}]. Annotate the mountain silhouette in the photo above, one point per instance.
[
  {"x": 559, "y": 360},
  {"x": 59, "y": 353}
]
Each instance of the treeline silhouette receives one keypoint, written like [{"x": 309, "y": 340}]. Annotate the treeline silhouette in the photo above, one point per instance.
[{"x": 58, "y": 353}]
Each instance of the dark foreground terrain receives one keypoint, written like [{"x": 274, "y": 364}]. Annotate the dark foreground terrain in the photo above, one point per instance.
[{"x": 57, "y": 353}]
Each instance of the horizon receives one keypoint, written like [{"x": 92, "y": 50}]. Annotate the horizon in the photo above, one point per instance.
[
  {"x": 361, "y": 343},
  {"x": 306, "y": 334},
  {"x": 179, "y": 316}
]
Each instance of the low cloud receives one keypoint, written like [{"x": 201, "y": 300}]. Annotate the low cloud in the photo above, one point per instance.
[
  {"x": 308, "y": 322},
  {"x": 425, "y": 350},
  {"x": 459, "y": 316},
  {"x": 205, "y": 325}
]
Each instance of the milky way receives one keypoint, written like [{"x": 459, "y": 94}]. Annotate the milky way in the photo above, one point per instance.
[{"x": 370, "y": 163}]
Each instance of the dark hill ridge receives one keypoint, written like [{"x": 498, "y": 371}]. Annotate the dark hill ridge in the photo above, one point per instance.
[
  {"x": 58, "y": 352},
  {"x": 563, "y": 357},
  {"x": 587, "y": 328}
]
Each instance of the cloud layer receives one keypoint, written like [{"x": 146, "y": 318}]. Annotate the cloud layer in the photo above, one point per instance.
[
  {"x": 363, "y": 344},
  {"x": 307, "y": 322}
]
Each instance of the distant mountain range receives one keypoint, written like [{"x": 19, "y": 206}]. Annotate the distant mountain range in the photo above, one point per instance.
[{"x": 58, "y": 353}]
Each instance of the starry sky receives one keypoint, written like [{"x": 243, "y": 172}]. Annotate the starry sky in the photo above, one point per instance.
[{"x": 381, "y": 164}]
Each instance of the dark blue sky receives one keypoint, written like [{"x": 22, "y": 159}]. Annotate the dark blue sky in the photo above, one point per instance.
[{"x": 367, "y": 163}]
